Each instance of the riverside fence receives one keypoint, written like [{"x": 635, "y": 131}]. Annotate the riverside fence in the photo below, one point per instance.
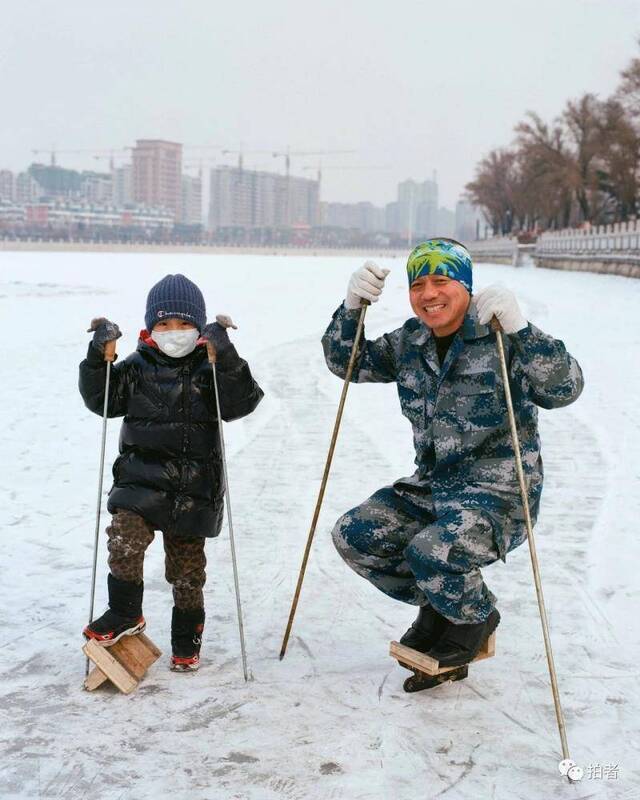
[
  {"x": 611, "y": 249},
  {"x": 603, "y": 248}
]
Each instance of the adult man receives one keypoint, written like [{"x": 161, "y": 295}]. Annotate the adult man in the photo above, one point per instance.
[{"x": 423, "y": 539}]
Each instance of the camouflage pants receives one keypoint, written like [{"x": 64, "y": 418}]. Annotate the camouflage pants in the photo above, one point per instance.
[
  {"x": 403, "y": 550},
  {"x": 130, "y": 535}
]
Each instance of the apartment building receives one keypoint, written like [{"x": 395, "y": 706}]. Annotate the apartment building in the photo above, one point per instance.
[{"x": 157, "y": 174}]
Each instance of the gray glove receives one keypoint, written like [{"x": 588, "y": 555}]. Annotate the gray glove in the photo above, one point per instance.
[
  {"x": 216, "y": 332},
  {"x": 103, "y": 331},
  {"x": 217, "y": 335}
]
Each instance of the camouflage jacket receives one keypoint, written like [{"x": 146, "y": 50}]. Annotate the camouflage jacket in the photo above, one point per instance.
[{"x": 458, "y": 413}]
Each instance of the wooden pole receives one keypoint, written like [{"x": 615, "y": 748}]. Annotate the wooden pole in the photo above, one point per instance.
[
  {"x": 325, "y": 476},
  {"x": 495, "y": 325}
]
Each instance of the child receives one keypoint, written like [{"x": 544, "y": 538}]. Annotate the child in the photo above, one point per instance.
[{"x": 168, "y": 475}]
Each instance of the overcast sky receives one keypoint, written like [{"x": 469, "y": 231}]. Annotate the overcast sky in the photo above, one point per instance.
[{"x": 413, "y": 86}]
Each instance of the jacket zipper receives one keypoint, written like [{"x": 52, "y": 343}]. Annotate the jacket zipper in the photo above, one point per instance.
[{"x": 186, "y": 414}]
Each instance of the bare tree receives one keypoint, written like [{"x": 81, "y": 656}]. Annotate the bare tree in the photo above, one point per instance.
[
  {"x": 620, "y": 154},
  {"x": 628, "y": 93},
  {"x": 546, "y": 166},
  {"x": 583, "y": 167},
  {"x": 495, "y": 188},
  {"x": 583, "y": 122}
]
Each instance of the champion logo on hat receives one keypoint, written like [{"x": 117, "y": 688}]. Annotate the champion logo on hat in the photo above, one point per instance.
[
  {"x": 174, "y": 314},
  {"x": 175, "y": 296}
]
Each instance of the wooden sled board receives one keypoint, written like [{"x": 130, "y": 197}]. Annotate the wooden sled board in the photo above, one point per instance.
[
  {"x": 421, "y": 662},
  {"x": 124, "y": 663}
]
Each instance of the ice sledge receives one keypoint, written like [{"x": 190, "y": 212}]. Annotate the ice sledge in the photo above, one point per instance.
[
  {"x": 427, "y": 672},
  {"x": 124, "y": 663}
]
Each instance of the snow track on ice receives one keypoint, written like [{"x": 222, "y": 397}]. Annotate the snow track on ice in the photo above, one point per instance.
[{"x": 331, "y": 720}]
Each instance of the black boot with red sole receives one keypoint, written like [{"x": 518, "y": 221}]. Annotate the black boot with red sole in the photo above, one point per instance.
[{"x": 124, "y": 615}]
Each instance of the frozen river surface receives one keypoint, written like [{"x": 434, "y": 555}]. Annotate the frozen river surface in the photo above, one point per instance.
[{"x": 331, "y": 720}]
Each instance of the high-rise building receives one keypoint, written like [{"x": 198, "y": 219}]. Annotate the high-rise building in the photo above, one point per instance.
[
  {"x": 233, "y": 198},
  {"x": 191, "y": 205},
  {"x": 302, "y": 207},
  {"x": 28, "y": 190},
  {"x": 96, "y": 187},
  {"x": 446, "y": 223},
  {"x": 122, "y": 178},
  {"x": 417, "y": 209},
  {"x": 469, "y": 221},
  {"x": 55, "y": 181},
  {"x": 362, "y": 216},
  {"x": 157, "y": 174},
  {"x": 7, "y": 185},
  {"x": 256, "y": 199},
  {"x": 393, "y": 223}
]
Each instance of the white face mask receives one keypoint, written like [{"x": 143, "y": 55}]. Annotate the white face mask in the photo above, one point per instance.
[{"x": 176, "y": 343}]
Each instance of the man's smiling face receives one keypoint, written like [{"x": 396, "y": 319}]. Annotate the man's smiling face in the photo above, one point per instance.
[{"x": 439, "y": 302}]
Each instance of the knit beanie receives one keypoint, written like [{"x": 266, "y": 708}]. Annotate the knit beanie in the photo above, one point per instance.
[
  {"x": 175, "y": 296},
  {"x": 441, "y": 257}
]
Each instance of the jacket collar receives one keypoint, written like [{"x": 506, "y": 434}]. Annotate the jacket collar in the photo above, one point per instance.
[{"x": 472, "y": 328}]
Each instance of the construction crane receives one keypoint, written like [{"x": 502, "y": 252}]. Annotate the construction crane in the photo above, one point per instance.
[
  {"x": 288, "y": 153},
  {"x": 199, "y": 164},
  {"x": 202, "y": 146},
  {"x": 287, "y": 160},
  {"x": 241, "y": 153},
  {"x": 320, "y": 167},
  {"x": 112, "y": 155},
  {"x": 54, "y": 152}
]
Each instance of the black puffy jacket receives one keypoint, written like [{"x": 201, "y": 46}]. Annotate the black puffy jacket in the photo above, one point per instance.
[{"x": 170, "y": 466}]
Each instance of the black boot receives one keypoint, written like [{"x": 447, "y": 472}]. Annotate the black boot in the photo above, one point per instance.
[
  {"x": 460, "y": 644},
  {"x": 186, "y": 637},
  {"x": 124, "y": 616},
  {"x": 425, "y": 630}
]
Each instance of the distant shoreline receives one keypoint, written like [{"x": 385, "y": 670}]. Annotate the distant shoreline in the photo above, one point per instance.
[{"x": 89, "y": 247}]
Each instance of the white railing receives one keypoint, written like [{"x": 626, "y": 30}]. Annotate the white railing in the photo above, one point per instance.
[
  {"x": 497, "y": 246},
  {"x": 621, "y": 239}
]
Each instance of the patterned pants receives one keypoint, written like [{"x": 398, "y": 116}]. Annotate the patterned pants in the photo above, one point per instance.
[
  {"x": 130, "y": 535},
  {"x": 403, "y": 550}
]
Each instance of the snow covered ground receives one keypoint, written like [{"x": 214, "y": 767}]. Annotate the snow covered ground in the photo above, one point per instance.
[{"x": 331, "y": 720}]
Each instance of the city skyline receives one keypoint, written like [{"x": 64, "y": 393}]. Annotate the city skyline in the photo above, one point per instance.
[
  {"x": 121, "y": 158},
  {"x": 151, "y": 192},
  {"x": 421, "y": 89},
  {"x": 155, "y": 177}
]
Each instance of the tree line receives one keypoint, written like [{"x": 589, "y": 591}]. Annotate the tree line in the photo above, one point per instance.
[{"x": 584, "y": 167}]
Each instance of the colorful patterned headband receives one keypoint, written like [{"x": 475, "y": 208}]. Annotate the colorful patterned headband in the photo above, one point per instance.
[{"x": 441, "y": 257}]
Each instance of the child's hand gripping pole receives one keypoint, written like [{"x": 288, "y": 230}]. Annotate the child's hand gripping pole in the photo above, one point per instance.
[
  {"x": 497, "y": 328},
  {"x": 213, "y": 356},
  {"x": 347, "y": 378},
  {"x": 109, "y": 353}
]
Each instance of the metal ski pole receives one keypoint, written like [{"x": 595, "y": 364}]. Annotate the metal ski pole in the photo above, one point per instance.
[
  {"x": 495, "y": 325},
  {"x": 212, "y": 360},
  {"x": 325, "y": 476},
  {"x": 109, "y": 356}
]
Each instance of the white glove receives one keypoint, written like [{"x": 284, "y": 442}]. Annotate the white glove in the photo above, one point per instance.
[
  {"x": 500, "y": 302},
  {"x": 366, "y": 283},
  {"x": 226, "y": 321}
]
